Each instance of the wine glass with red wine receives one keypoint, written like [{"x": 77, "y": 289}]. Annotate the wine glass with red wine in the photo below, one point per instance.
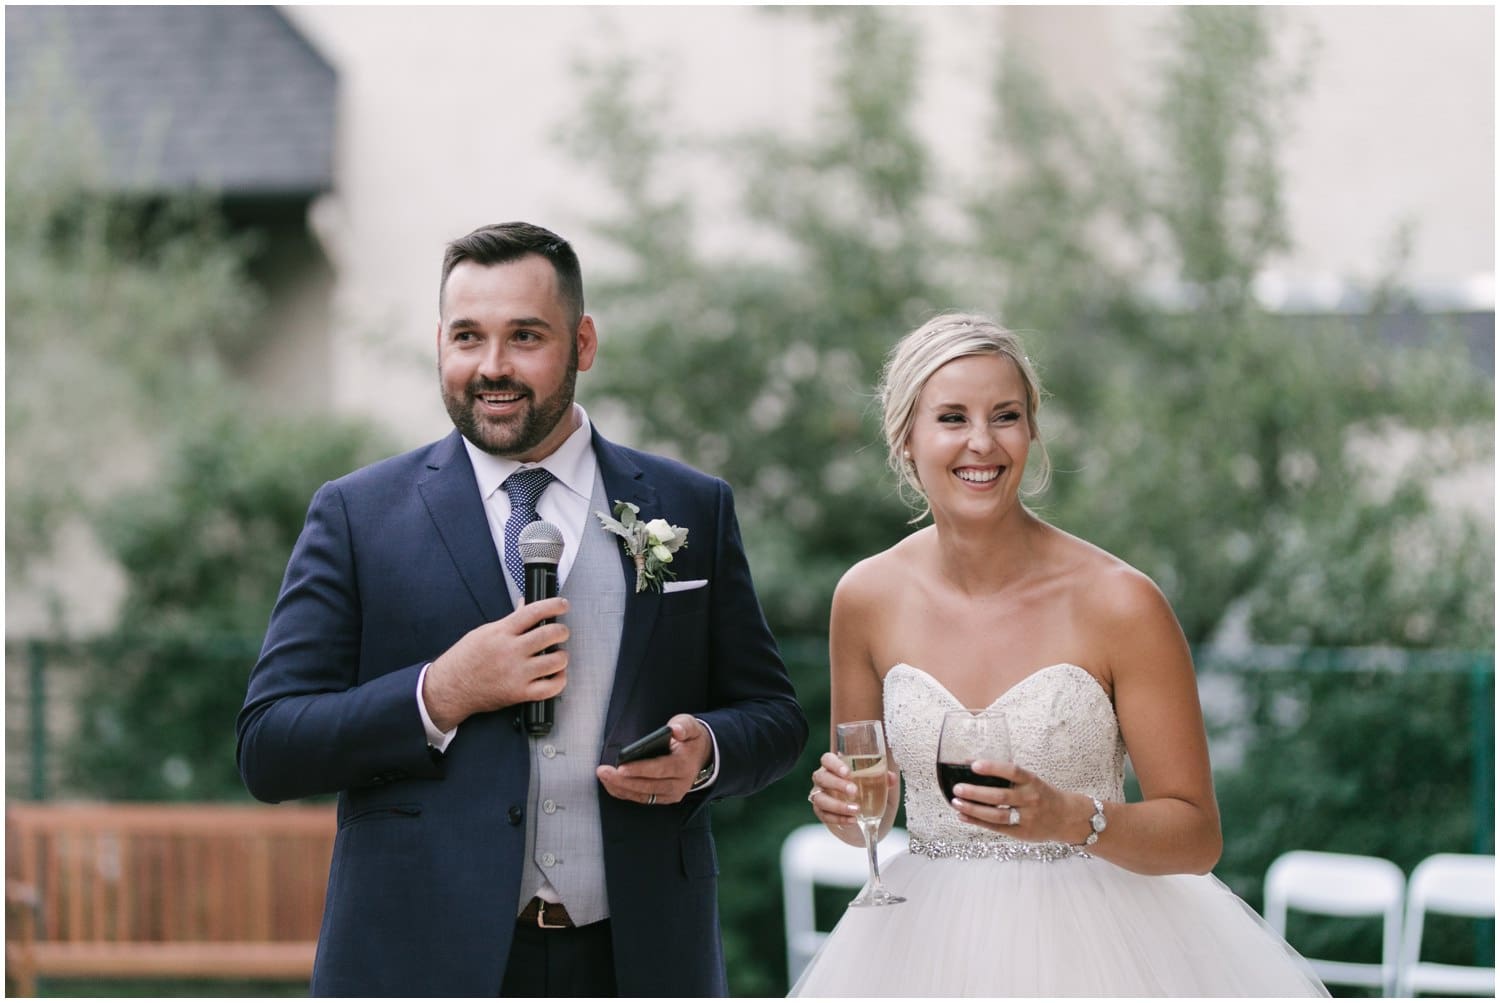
[{"x": 968, "y": 735}]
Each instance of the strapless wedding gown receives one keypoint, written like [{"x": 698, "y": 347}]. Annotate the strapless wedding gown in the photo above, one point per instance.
[{"x": 988, "y": 915}]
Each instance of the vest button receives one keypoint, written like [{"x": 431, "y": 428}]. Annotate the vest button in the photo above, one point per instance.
[
  {"x": 549, "y": 750},
  {"x": 514, "y": 814},
  {"x": 548, "y": 859},
  {"x": 549, "y": 806}
]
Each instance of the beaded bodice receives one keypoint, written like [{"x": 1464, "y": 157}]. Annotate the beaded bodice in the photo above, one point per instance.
[{"x": 1062, "y": 728}]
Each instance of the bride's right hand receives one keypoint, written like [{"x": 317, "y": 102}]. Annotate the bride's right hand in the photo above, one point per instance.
[{"x": 833, "y": 792}]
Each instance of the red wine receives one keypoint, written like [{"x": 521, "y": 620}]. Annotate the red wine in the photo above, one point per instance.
[{"x": 962, "y": 773}]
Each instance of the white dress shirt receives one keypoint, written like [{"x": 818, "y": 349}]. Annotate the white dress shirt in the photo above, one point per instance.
[{"x": 564, "y": 503}]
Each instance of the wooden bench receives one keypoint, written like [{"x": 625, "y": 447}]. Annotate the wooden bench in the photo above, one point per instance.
[{"x": 165, "y": 890}]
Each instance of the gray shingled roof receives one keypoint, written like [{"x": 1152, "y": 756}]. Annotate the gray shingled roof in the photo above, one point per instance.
[{"x": 232, "y": 99}]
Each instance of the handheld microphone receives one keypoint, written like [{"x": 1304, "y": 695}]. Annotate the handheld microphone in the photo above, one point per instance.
[{"x": 540, "y": 546}]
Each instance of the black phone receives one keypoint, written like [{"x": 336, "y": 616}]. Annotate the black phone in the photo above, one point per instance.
[{"x": 657, "y": 743}]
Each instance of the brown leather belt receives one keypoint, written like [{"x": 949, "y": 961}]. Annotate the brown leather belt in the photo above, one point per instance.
[{"x": 545, "y": 915}]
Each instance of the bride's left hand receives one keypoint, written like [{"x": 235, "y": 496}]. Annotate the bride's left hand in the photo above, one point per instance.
[{"x": 1045, "y": 813}]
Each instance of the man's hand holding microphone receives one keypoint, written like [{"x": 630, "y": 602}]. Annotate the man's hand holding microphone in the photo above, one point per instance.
[{"x": 518, "y": 659}]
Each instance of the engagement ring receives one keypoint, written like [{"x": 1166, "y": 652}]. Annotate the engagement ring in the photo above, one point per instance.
[
  {"x": 812, "y": 794},
  {"x": 651, "y": 800},
  {"x": 1015, "y": 816}
]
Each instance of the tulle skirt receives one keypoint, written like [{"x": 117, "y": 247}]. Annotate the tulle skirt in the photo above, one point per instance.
[{"x": 1074, "y": 927}]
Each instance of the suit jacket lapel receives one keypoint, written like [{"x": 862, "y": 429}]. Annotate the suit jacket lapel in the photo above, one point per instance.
[
  {"x": 452, "y": 499},
  {"x": 624, "y": 481}
]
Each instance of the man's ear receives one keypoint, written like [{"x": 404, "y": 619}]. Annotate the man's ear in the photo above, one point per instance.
[{"x": 588, "y": 342}]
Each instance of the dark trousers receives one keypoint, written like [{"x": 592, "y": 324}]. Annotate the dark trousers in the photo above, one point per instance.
[{"x": 577, "y": 961}]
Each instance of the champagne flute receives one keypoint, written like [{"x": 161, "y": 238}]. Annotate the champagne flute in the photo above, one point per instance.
[
  {"x": 968, "y": 735},
  {"x": 861, "y": 746}
]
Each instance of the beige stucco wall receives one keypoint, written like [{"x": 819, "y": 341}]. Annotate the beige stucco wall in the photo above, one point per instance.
[
  {"x": 447, "y": 119},
  {"x": 1397, "y": 125}
]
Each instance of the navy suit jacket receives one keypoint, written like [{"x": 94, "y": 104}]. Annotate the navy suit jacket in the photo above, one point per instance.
[{"x": 395, "y": 563}]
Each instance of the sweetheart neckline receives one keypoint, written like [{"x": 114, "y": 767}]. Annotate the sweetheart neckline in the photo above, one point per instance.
[{"x": 1013, "y": 687}]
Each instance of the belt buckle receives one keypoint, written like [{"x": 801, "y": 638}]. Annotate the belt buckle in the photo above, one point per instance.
[{"x": 541, "y": 919}]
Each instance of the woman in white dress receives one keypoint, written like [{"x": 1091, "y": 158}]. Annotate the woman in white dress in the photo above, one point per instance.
[{"x": 1054, "y": 886}]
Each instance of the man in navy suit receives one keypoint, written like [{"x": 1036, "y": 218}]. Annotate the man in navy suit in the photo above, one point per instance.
[{"x": 474, "y": 858}]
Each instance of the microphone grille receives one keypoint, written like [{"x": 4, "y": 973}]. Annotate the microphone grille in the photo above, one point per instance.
[{"x": 540, "y": 542}]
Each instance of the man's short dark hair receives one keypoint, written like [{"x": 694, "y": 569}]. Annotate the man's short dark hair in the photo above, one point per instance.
[{"x": 500, "y": 243}]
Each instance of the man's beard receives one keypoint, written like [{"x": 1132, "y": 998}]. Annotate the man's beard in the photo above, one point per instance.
[{"x": 515, "y": 436}]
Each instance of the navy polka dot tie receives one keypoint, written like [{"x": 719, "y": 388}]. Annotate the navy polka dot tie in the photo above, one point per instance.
[{"x": 523, "y": 488}]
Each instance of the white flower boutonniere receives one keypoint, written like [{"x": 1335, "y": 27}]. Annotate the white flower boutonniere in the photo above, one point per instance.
[{"x": 649, "y": 544}]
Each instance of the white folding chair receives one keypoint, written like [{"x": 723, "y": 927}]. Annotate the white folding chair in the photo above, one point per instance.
[
  {"x": 1453, "y": 884},
  {"x": 1345, "y": 885},
  {"x": 812, "y": 856}
]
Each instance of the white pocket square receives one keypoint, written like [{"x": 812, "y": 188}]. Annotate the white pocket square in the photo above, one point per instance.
[{"x": 683, "y": 586}]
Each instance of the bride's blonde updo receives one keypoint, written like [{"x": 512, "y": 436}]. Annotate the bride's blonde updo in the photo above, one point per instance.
[{"x": 923, "y": 352}]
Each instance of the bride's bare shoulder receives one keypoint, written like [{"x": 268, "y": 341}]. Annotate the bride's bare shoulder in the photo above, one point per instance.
[
  {"x": 867, "y": 585},
  {"x": 1112, "y": 588}
]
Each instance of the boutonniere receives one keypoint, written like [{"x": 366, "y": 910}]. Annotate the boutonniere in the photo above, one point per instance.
[{"x": 649, "y": 544}]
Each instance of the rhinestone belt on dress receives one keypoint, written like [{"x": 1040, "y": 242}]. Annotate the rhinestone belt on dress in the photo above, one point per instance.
[{"x": 945, "y": 849}]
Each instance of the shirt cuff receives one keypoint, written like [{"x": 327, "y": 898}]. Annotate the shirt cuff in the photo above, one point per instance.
[
  {"x": 709, "y": 780},
  {"x": 437, "y": 739}
]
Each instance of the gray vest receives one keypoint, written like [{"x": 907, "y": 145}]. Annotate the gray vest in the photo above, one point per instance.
[{"x": 564, "y": 844}]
